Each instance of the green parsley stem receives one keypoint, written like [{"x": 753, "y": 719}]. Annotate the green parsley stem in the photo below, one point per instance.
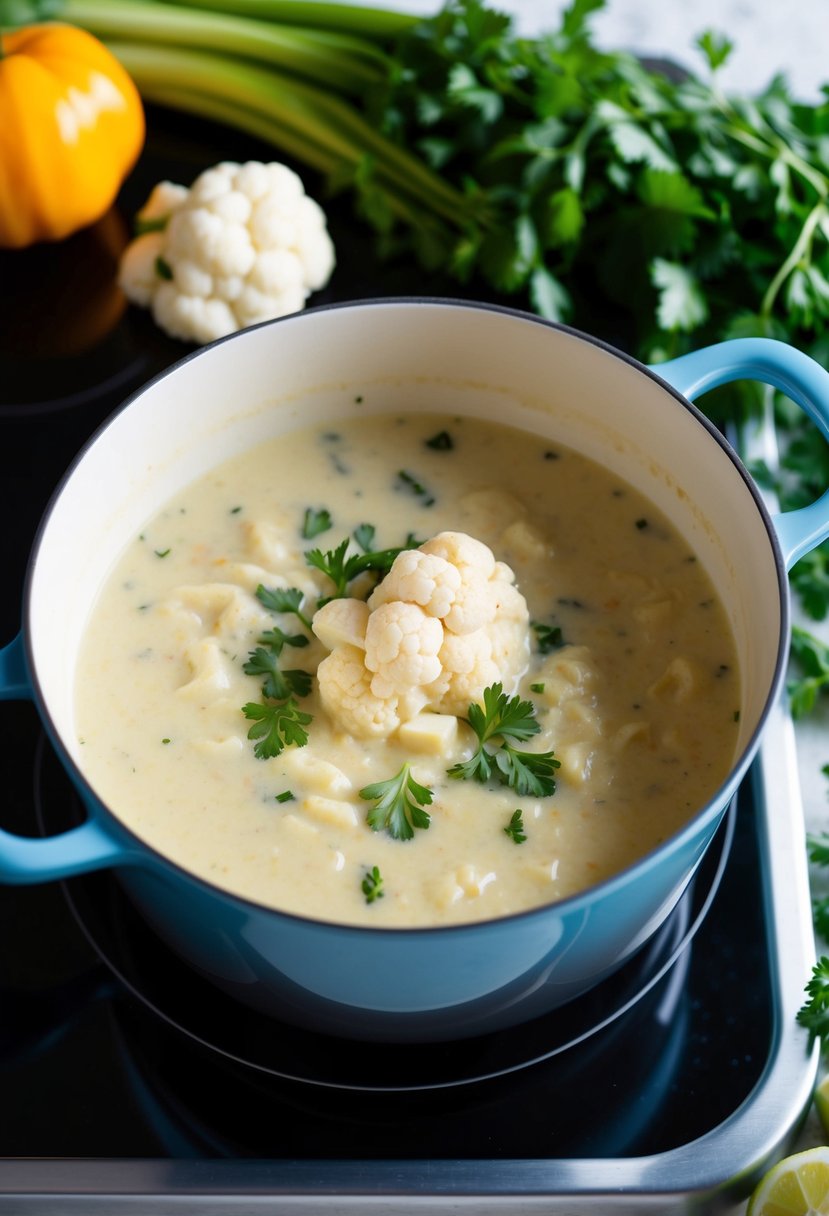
[{"x": 797, "y": 252}]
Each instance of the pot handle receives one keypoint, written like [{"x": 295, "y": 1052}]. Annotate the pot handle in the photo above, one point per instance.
[
  {"x": 26, "y": 859},
  {"x": 785, "y": 368}
]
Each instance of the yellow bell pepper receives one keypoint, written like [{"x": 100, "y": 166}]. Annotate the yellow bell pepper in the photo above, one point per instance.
[{"x": 71, "y": 128}]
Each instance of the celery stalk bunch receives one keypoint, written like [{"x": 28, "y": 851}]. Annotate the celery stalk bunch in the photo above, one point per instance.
[{"x": 293, "y": 73}]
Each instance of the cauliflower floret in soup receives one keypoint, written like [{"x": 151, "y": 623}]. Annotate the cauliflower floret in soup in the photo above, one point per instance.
[{"x": 445, "y": 623}]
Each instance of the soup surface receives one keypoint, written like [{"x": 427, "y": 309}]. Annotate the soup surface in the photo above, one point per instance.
[{"x": 628, "y": 668}]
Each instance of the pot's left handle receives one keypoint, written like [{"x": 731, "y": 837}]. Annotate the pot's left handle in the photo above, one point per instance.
[
  {"x": 795, "y": 374},
  {"x": 25, "y": 859}
]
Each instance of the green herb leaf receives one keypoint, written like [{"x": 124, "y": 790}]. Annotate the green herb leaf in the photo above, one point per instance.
[
  {"x": 163, "y": 268},
  {"x": 507, "y": 718},
  {"x": 416, "y": 487},
  {"x": 530, "y": 774},
  {"x": 372, "y": 885},
  {"x": 285, "y": 796},
  {"x": 504, "y": 716},
  {"x": 278, "y": 685},
  {"x": 315, "y": 522},
  {"x": 333, "y": 564},
  {"x": 814, "y": 1014},
  {"x": 715, "y": 47},
  {"x": 632, "y": 140},
  {"x": 275, "y": 639},
  {"x": 682, "y": 305},
  {"x": 565, "y": 218},
  {"x": 466, "y": 89},
  {"x": 283, "y": 599},
  {"x": 341, "y": 568},
  {"x": 399, "y": 804},
  {"x": 548, "y": 637},
  {"x": 441, "y": 442},
  {"x": 818, "y": 850},
  {"x": 276, "y": 727},
  {"x": 549, "y": 297},
  {"x": 515, "y": 827},
  {"x": 364, "y": 536},
  {"x": 812, "y": 657}
]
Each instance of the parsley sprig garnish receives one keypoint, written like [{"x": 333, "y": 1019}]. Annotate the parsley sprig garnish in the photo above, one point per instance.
[
  {"x": 507, "y": 718},
  {"x": 276, "y": 726},
  {"x": 283, "y": 599},
  {"x": 398, "y": 805},
  {"x": 342, "y": 567},
  {"x": 277, "y": 719},
  {"x": 279, "y": 684}
]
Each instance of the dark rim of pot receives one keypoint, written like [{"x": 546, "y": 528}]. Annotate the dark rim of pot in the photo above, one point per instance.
[{"x": 715, "y": 805}]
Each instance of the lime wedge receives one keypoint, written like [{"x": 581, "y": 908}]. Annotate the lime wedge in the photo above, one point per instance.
[{"x": 796, "y": 1186}]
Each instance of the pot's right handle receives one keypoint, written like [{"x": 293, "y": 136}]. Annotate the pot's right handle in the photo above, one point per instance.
[
  {"x": 787, "y": 369},
  {"x": 26, "y": 859}
]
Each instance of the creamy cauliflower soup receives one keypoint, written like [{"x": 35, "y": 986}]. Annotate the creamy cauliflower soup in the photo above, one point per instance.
[{"x": 407, "y": 671}]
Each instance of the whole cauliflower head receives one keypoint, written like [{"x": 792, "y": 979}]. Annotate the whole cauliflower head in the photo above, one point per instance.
[
  {"x": 244, "y": 244},
  {"x": 445, "y": 623}
]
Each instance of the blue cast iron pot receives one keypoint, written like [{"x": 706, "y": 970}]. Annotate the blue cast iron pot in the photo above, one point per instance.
[{"x": 437, "y": 356}]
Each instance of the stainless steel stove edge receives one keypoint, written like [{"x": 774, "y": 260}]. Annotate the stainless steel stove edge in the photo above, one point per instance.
[{"x": 708, "y": 1175}]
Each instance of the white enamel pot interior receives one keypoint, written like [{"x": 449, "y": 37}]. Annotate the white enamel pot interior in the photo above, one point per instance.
[{"x": 433, "y": 356}]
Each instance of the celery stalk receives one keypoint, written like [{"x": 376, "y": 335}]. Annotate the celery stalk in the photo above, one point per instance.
[
  {"x": 367, "y": 21},
  {"x": 265, "y": 92},
  {"x": 337, "y": 61},
  {"x": 220, "y": 109},
  {"x": 305, "y": 112},
  {"x": 395, "y": 162}
]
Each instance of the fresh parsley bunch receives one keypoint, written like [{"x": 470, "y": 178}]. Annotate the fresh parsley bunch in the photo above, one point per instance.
[
  {"x": 614, "y": 193},
  {"x": 638, "y": 202}
]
